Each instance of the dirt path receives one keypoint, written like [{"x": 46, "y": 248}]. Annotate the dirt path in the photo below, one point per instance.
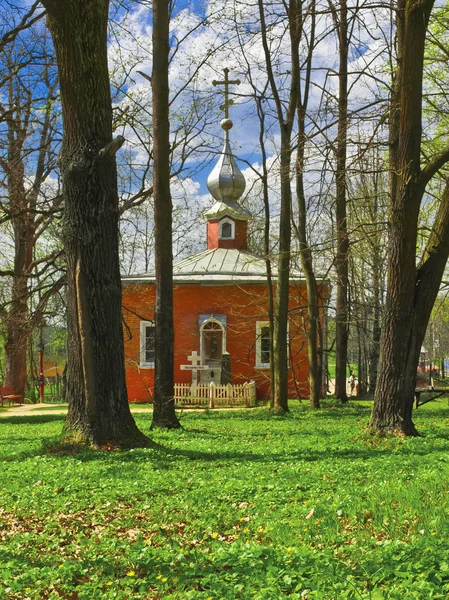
[
  {"x": 61, "y": 409},
  {"x": 49, "y": 409}
]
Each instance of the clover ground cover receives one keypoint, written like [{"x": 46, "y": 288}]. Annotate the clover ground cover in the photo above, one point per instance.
[{"x": 236, "y": 505}]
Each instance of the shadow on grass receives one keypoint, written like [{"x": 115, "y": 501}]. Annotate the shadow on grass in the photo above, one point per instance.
[
  {"x": 297, "y": 412},
  {"x": 305, "y": 456},
  {"x": 162, "y": 457},
  {"x": 32, "y": 419},
  {"x": 159, "y": 453}
]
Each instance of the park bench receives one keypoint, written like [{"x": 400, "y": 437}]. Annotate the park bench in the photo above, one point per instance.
[
  {"x": 427, "y": 386},
  {"x": 7, "y": 395}
]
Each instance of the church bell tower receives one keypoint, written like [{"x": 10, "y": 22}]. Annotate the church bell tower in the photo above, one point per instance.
[{"x": 227, "y": 222}]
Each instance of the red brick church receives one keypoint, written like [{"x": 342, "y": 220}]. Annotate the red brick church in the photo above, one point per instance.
[{"x": 220, "y": 304}]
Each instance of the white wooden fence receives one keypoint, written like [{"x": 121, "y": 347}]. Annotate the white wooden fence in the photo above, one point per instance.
[{"x": 212, "y": 395}]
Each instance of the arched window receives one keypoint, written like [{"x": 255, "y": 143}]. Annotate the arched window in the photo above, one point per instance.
[
  {"x": 213, "y": 341},
  {"x": 227, "y": 229}
]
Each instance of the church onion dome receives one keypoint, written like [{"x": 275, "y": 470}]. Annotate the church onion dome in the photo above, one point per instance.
[{"x": 226, "y": 183}]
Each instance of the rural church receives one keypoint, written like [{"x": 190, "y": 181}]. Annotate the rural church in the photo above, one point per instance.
[{"x": 220, "y": 301}]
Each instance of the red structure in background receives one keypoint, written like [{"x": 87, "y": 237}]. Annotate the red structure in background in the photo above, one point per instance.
[
  {"x": 220, "y": 303},
  {"x": 236, "y": 311}
]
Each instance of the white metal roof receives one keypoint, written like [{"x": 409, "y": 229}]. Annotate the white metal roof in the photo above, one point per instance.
[{"x": 219, "y": 265}]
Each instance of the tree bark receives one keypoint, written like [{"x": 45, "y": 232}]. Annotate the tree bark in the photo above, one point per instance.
[
  {"x": 341, "y": 259},
  {"x": 17, "y": 324},
  {"x": 376, "y": 311},
  {"x": 280, "y": 342},
  {"x": 98, "y": 410},
  {"x": 411, "y": 292},
  {"x": 22, "y": 203},
  {"x": 164, "y": 405},
  {"x": 266, "y": 241},
  {"x": 315, "y": 372}
]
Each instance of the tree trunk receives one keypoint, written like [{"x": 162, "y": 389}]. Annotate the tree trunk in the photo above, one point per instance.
[
  {"x": 361, "y": 352},
  {"x": 376, "y": 303},
  {"x": 394, "y": 395},
  {"x": 17, "y": 325},
  {"x": 307, "y": 267},
  {"x": 305, "y": 252},
  {"x": 266, "y": 241},
  {"x": 280, "y": 342},
  {"x": 411, "y": 292},
  {"x": 16, "y": 346},
  {"x": 164, "y": 405},
  {"x": 341, "y": 261},
  {"x": 96, "y": 390}
]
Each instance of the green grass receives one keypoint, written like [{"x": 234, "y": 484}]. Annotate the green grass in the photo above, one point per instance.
[{"x": 237, "y": 505}]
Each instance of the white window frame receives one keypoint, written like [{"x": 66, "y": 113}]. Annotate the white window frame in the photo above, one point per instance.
[
  {"x": 143, "y": 328},
  {"x": 259, "y": 326},
  {"x": 223, "y": 328},
  {"x": 220, "y": 228}
]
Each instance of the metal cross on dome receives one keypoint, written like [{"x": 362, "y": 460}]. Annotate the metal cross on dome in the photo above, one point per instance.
[{"x": 227, "y": 82}]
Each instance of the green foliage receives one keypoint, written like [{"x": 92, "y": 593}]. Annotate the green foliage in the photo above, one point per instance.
[{"x": 236, "y": 505}]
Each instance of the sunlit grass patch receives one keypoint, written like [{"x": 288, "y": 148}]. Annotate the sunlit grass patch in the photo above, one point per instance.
[
  {"x": 234, "y": 505},
  {"x": 49, "y": 407}
]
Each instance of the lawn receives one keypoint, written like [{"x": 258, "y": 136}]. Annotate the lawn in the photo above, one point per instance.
[{"x": 235, "y": 505}]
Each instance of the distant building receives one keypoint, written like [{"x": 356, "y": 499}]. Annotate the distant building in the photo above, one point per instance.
[{"x": 220, "y": 303}]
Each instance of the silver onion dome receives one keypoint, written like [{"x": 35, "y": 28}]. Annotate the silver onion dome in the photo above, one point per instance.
[{"x": 226, "y": 183}]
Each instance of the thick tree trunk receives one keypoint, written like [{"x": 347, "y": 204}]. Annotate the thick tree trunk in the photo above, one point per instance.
[
  {"x": 164, "y": 405},
  {"x": 96, "y": 390},
  {"x": 341, "y": 260},
  {"x": 394, "y": 395},
  {"x": 410, "y": 292}
]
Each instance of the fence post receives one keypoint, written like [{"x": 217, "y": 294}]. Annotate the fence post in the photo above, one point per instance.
[
  {"x": 212, "y": 395},
  {"x": 253, "y": 392},
  {"x": 246, "y": 394},
  {"x": 229, "y": 394}
]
